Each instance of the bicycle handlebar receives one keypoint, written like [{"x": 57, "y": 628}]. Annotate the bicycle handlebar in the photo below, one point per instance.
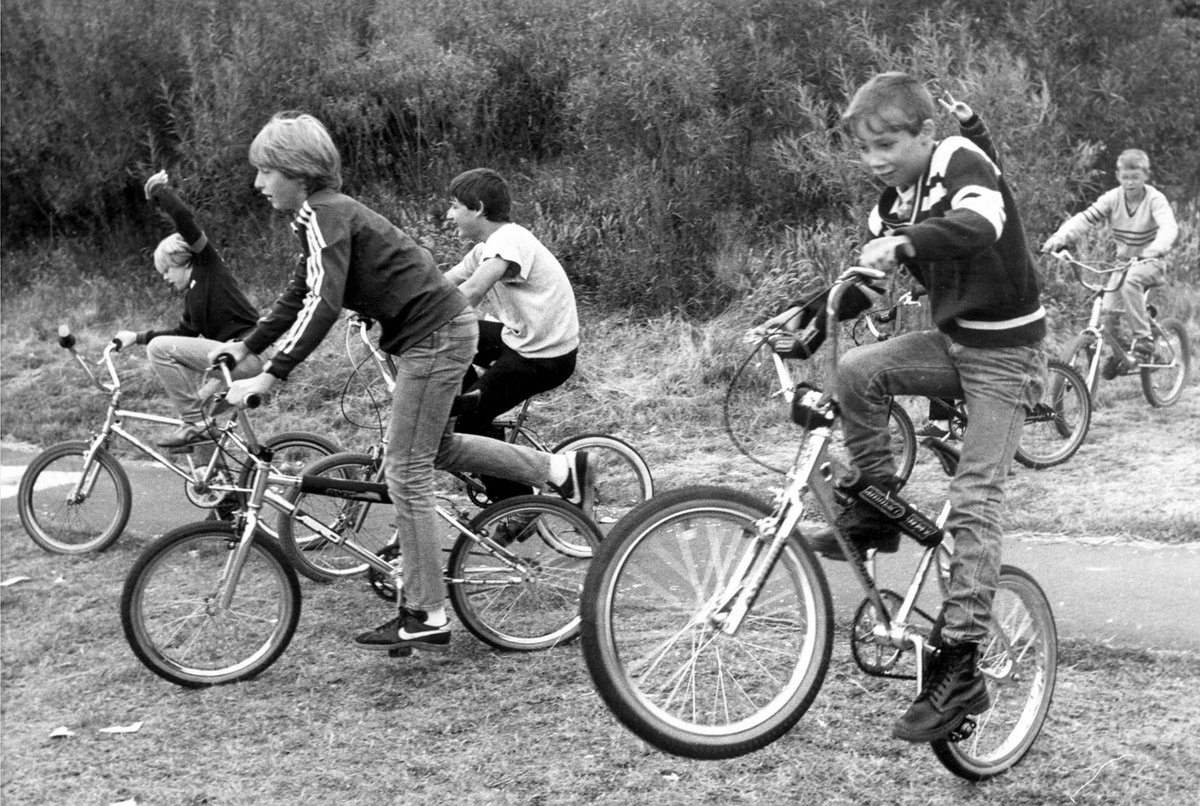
[
  {"x": 225, "y": 363},
  {"x": 1112, "y": 276}
]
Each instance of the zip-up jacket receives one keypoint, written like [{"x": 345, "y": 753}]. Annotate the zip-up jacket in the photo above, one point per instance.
[{"x": 354, "y": 258}]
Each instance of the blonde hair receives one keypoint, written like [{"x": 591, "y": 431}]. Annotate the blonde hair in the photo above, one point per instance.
[
  {"x": 299, "y": 146},
  {"x": 172, "y": 252},
  {"x": 1134, "y": 158},
  {"x": 890, "y": 102}
]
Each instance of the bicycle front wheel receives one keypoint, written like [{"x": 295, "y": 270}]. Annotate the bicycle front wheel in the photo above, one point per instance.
[
  {"x": 174, "y": 617},
  {"x": 1082, "y": 354},
  {"x": 1019, "y": 660},
  {"x": 655, "y": 605},
  {"x": 1163, "y": 383},
  {"x": 515, "y": 587},
  {"x": 371, "y": 526},
  {"x": 64, "y": 520},
  {"x": 1059, "y": 422},
  {"x": 620, "y": 476}
]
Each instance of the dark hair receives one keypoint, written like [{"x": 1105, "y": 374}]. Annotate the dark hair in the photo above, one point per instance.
[
  {"x": 483, "y": 186},
  {"x": 890, "y": 102}
]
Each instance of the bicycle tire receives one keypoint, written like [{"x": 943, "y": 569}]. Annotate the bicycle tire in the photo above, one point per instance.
[
  {"x": 62, "y": 526},
  {"x": 1019, "y": 660},
  {"x": 1059, "y": 422},
  {"x": 1170, "y": 339},
  {"x": 172, "y": 618},
  {"x": 621, "y": 478},
  {"x": 527, "y": 596},
  {"x": 1080, "y": 354},
  {"x": 371, "y": 526},
  {"x": 663, "y": 666}
]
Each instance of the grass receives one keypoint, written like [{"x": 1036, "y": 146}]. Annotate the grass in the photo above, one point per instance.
[
  {"x": 330, "y": 723},
  {"x": 327, "y": 722}
]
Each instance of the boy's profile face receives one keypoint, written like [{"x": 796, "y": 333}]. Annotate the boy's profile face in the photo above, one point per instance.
[
  {"x": 896, "y": 158},
  {"x": 177, "y": 275},
  {"x": 467, "y": 220},
  {"x": 283, "y": 191}
]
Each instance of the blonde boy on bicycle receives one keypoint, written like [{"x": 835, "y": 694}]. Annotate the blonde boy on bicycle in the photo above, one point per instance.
[
  {"x": 948, "y": 217},
  {"x": 357, "y": 259},
  {"x": 1143, "y": 226}
]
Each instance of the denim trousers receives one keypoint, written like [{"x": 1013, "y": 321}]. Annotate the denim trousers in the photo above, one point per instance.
[
  {"x": 999, "y": 385},
  {"x": 420, "y": 439},
  {"x": 1131, "y": 295},
  {"x": 180, "y": 363}
]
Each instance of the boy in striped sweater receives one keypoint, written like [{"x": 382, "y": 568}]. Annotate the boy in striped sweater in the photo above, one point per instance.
[
  {"x": 1143, "y": 226},
  {"x": 948, "y": 217}
]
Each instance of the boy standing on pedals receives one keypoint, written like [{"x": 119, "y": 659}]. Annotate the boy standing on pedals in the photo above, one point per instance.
[
  {"x": 355, "y": 258},
  {"x": 948, "y": 217}
]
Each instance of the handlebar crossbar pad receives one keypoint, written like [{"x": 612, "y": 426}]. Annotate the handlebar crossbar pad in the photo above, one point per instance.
[{"x": 372, "y": 491}]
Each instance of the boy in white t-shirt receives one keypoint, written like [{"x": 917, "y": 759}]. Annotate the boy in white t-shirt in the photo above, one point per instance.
[{"x": 533, "y": 346}]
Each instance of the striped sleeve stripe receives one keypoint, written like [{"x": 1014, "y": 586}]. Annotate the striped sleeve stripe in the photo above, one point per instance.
[
  {"x": 984, "y": 201},
  {"x": 315, "y": 277}
]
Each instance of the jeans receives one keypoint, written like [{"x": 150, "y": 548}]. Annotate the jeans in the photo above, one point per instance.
[
  {"x": 1132, "y": 295},
  {"x": 180, "y": 363},
  {"x": 999, "y": 386},
  {"x": 510, "y": 380},
  {"x": 420, "y": 438}
]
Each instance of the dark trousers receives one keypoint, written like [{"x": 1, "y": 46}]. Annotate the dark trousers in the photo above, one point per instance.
[{"x": 510, "y": 380}]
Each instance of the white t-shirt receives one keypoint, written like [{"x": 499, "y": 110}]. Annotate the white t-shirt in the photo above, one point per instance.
[{"x": 535, "y": 302}]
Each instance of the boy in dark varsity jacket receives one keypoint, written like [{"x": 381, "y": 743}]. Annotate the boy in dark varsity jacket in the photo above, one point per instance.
[
  {"x": 214, "y": 311},
  {"x": 948, "y": 217}
]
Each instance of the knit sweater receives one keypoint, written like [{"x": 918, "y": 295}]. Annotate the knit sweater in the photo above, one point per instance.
[
  {"x": 970, "y": 249},
  {"x": 1148, "y": 226}
]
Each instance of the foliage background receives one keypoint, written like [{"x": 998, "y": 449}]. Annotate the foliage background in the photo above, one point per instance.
[{"x": 677, "y": 154}]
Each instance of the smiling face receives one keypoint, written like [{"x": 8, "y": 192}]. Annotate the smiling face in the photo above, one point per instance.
[
  {"x": 283, "y": 191},
  {"x": 895, "y": 157}
]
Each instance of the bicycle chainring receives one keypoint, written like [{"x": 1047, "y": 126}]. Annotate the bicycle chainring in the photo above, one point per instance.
[
  {"x": 381, "y": 583},
  {"x": 876, "y": 659},
  {"x": 203, "y": 495}
]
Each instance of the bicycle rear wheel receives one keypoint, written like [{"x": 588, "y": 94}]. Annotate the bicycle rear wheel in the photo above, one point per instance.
[
  {"x": 63, "y": 523},
  {"x": 173, "y": 618},
  {"x": 652, "y": 632},
  {"x": 1019, "y": 660},
  {"x": 1059, "y": 422},
  {"x": 1162, "y": 385},
  {"x": 620, "y": 476},
  {"x": 526, "y": 595},
  {"x": 371, "y": 526}
]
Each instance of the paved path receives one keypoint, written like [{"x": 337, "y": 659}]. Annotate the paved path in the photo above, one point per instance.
[{"x": 1130, "y": 594}]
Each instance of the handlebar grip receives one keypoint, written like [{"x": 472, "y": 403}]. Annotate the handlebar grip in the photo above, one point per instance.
[
  {"x": 225, "y": 360},
  {"x": 253, "y": 401},
  {"x": 66, "y": 339}
]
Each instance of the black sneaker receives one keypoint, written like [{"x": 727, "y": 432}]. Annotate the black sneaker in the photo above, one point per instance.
[
  {"x": 407, "y": 630},
  {"x": 931, "y": 429},
  {"x": 1143, "y": 349},
  {"x": 572, "y": 490},
  {"x": 953, "y": 689},
  {"x": 863, "y": 525},
  {"x": 1113, "y": 366},
  {"x": 514, "y": 529}
]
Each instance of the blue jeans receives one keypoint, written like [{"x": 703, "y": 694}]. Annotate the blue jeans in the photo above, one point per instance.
[
  {"x": 181, "y": 362},
  {"x": 429, "y": 376},
  {"x": 999, "y": 386}
]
